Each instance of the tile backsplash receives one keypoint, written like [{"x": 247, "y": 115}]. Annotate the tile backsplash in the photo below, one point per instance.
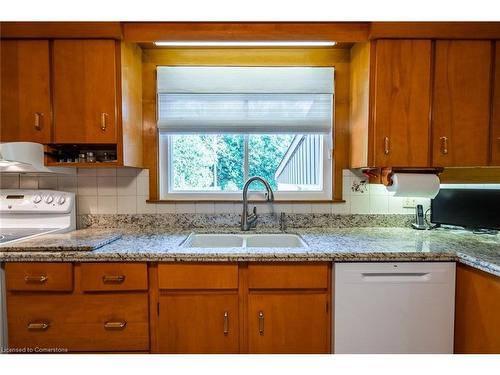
[{"x": 125, "y": 191}]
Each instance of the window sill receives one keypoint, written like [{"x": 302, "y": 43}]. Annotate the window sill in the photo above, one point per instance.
[{"x": 166, "y": 201}]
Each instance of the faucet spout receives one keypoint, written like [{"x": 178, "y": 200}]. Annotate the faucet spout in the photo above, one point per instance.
[{"x": 249, "y": 221}]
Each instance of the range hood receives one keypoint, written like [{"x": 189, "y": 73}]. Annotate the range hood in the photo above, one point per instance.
[{"x": 26, "y": 157}]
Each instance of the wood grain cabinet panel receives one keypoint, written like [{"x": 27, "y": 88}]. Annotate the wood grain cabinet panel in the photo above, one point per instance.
[
  {"x": 25, "y": 91},
  {"x": 288, "y": 276},
  {"x": 101, "y": 277},
  {"x": 402, "y": 103},
  {"x": 199, "y": 323},
  {"x": 40, "y": 277},
  {"x": 288, "y": 323},
  {"x": 85, "y": 91},
  {"x": 495, "y": 128},
  {"x": 477, "y": 308},
  {"x": 461, "y": 104},
  {"x": 198, "y": 276},
  {"x": 79, "y": 322}
]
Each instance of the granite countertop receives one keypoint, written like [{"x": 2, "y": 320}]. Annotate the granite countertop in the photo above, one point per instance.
[
  {"x": 78, "y": 240},
  {"x": 481, "y": 251}
]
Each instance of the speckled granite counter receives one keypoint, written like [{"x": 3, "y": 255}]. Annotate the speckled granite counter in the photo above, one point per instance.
[
  {"x": 330, "y": 244},
  {"x": 78, "y": 240}
]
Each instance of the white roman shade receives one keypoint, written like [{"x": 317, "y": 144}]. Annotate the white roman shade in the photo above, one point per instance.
[{"x": 245, "y": 100}]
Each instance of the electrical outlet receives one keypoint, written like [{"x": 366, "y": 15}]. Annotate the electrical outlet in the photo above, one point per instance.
[{"x": 409, "y": 203}]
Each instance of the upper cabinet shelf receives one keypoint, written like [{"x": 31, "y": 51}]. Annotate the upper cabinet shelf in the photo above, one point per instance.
[
  {"x": 423, "y": 103},
  {"x": 73, "y": 92}
]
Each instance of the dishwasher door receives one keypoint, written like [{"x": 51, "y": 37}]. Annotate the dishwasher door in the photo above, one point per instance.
[
  {"x": 394, "y": 307},
  {"x": 3, "y": 312}
]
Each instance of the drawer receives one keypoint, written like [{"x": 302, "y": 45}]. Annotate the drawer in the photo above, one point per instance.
[
  {"x": 198, "y": 276},
  {"x": 43, "y": 277},
  {"x": 84, "y": 322},
  {"x": 288, "y": 276},
  {"x": 101, "y": 277}
]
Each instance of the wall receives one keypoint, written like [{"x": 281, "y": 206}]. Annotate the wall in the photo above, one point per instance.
[{"x": 125, "y": 191}]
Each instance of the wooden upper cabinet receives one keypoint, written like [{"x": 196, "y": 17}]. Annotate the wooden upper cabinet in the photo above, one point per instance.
[
  {"x": 85, "y": 91},
  {"x": 461, "y": 104},
  {"x": 402, "y": 101},
  {"x": 25, "y": 91},
  {"x": 495, "y": 129}
]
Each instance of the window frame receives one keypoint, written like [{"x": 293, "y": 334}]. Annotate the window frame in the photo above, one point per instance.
[{"x": 164, "y": 166}]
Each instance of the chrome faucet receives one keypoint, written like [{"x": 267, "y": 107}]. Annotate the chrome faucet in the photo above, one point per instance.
[{"x": 249, "y": 221}]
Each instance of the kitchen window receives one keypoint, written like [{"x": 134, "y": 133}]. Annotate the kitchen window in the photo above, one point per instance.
[{"x": 218, "y": 126}]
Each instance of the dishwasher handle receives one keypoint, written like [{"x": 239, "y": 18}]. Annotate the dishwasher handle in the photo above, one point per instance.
[{"x": 390, "y": 277}]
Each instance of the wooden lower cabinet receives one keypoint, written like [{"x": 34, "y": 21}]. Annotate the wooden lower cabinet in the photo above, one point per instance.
[
  {"x": 79, "y": 322},
  {"x": 477, "y": 312},
  {"x": 288, "y": 322},
  {"x": 176, "y": 307},
  {"x": 199, "y": 323}
]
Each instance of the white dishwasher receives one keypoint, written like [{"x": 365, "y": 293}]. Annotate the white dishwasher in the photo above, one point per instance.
[{"x": 394, "y": 307}]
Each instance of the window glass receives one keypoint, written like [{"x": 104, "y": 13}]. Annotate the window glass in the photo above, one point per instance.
[{"x": 223, "y": 162}]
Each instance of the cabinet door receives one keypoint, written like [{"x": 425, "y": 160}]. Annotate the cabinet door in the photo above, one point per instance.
[
  {"x": 461, "y": 104},
  {"x": 495, "y": 132},
  {"x": 288, "y": 322},
  {"x": 25, "y": 91},
  {"x": 84, "y": 91},
  {"x": 477, "y": 327},
  {"x": 199, "y": 323},
  {"x": 402, "y": 101}
]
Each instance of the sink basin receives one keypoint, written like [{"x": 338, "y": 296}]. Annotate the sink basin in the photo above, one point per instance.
[
  {"x": 275, "y": 240},
  {"x": 243, "y": 240},
  {"x": 213, "y": 240}
]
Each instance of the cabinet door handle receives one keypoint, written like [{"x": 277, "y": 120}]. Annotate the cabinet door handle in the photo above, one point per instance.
[
  {"x": 38, "y": 326},
  {"x": 261, "y": 323},
  {"x": 444, "y": 145},
  {"x": 117, "y": 279},
  {"x": 35, "y": 279},
  {"x": 226, "y": 323},
  {"x": 387, "y": 145},
  {"x": 104, "y": 121},
  {"x": 115, "y": 325},
  {"x": 38, "y": 120}
]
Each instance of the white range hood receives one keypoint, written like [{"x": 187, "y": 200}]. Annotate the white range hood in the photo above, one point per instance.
[{"x": 26, "y": 157}]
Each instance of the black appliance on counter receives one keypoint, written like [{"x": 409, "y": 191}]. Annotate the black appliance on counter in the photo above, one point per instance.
[{"x": 473, "y": 209}]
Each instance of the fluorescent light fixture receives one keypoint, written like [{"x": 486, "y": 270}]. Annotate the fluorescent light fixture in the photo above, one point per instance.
[{"x": 245, "y": 44}]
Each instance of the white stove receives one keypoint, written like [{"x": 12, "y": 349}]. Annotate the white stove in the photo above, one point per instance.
[{"x": 26, "y": 214}]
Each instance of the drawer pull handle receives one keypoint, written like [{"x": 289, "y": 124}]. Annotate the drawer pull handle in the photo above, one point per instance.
[
  {"x": 115, "y": 325},
  {"x": 387, "y": 146},
  {"x": 226, "y": 323},
  {"x": 37, "y": 125},
  {"x": 38, "y": 326},
  {"x": 444, "y": 145},
  {"x": 117, "y": 279},
  {"x": 35, "y": 279},
  {"x": 261, "y": 323}
]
